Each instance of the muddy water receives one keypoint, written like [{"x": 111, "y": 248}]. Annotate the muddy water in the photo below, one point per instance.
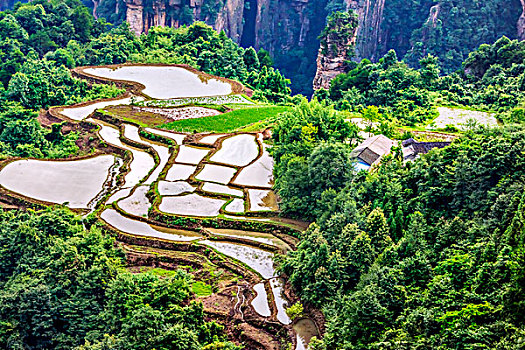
[
  {"x": 280, "y": 301},
  {"x": 260, "y": 302},
  {"x": 259, "y": 260},
  {"x": 165, "y": 82},
  {"x": 74, "y": 183},
  {"x": 304, "y": 329},
  {"x": 134, "y": 227},
  {"x": 239, "y": 150},
  {"x": 262, "y": 200},
  {"x": 137, "y": 204},
  {"x": 142, "y": 162}
]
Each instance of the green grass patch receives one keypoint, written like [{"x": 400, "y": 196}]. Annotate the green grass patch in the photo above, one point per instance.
[
  {"x": 201, "y": 289},
  {"x": 158, "y": 271},
  {"x": 227, "y": 122}
]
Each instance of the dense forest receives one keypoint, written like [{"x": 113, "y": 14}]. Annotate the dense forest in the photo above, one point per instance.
[
  {"x": 41, "y": 40},
  {"x": 426, "y": 254},
  {"x": 64, "y": 287},
  {"x": 411, "y": 255}
]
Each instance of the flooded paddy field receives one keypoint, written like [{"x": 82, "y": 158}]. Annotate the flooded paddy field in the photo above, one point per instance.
[
  {"x": 74, "y": 183},
  {"x": 164, "y": 82},
  {"x": 239, "y": 150},
  {"x": 219, "y": 185}
]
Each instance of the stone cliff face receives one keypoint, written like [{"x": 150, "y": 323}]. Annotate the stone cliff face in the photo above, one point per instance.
[
  {"x": 370, "y": 36},
  {"x": 336, "y": 49},
  {"x": 521, "y": 22},
  {"x": 278, "y": 26},
  {"x": 142, "y": 14}
]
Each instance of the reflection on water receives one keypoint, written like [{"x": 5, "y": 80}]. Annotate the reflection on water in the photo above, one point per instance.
[
  {"x": 258, "y": 259},
  {"x": 280, "y": 300},
  {"x": 260, "y": 302},
  {"x": 134, "y": 227},
  {"x": 304, "y": 329}
]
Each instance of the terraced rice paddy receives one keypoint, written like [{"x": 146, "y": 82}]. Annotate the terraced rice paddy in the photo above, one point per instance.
[
  {"x": 281, "y": 302},
  {"x": 259, "y": 260},
  {"x": 137, "y": 204},
  {"x": 178, "y": 138},
  {"x": 82, "y": 112},
  {"x": 260, "y": 302},
  {"x": 460, "y": 118},
  {"x": 74, "y": 183},
  {"x": 142, "y": 161},
  {"x": 173, "y": 114},
  {"x": 191, "y": 155},
  {"x": 262, "y": 200},
  {"x": 239, "y": 150},
  {"x": 260, "y": 237},
  {"x": 134, "y": 227},
  {"x": 191, "y": 205},
  {"x": 258, "y": 174},
  {"x": 221, "y": 189},
  {"x": 167, "y": 188},
  {"x": 180, "y": 172},
  {"x": 164, "y": 82},
  {"x": 235, "y": 206},
  {"x": 132, "y": 132},
  {"x": 205, "y": 100},
  {"x": 187, "y": 183},
  {"x": 216, "y": 173},
  {"x": 210, "y": 139}
]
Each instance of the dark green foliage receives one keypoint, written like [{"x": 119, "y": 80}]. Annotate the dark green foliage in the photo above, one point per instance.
[
  {"x": 492, "y": 79},
  {"x": 339, "y": 30},
  {"x": 457, "y": 27},
  {"x": 423, "y": 255},
  {"x": 62, "y": 287},
  {"x": 40, "y": 41},
  {"x": 306, "y": 165},
  {"x": 402, "y": 92}
]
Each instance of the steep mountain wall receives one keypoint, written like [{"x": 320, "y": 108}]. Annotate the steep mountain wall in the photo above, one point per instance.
[
  {"x": 336, "y": 48},
  {"x": 521, "y": 22},
  {"x": 289, "y": 29},
  {"x": 446, "y": 29}
]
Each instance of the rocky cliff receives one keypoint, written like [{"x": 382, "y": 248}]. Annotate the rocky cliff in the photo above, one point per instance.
[
  {"x": 448, "y": 30},
  {"x": 521, "y": 22},
  {"x": 336, "y": 48}
]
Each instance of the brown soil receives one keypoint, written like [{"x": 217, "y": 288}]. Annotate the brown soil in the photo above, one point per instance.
[
  {"x": 88, "y": 139},
  {"x": 253, "y": 331},
  {"x": 137, "y": 115}
]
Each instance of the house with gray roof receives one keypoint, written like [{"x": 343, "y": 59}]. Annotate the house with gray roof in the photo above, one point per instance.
[{"x": 370, "y": 151}]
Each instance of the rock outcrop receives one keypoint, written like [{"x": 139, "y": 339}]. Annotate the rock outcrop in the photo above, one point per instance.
[
  {"x": 336, "y": 48},
  {"x": 142, "y": 15},
  {"x": 521, "y": 22},
  {"x": 370, "y": 36}
]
